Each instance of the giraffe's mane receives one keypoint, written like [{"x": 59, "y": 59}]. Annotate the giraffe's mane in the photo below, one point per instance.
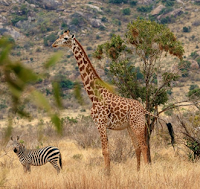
[
  {"x": 106, "y": 86},
  {"x": 96, "y": 74}
]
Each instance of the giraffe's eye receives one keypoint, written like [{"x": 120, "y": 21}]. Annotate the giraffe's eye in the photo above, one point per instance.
[{"x": 66, "y": 38}]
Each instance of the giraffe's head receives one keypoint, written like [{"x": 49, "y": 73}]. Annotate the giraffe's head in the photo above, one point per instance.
[
  {"x": 17, "y": 146},
  {"x": 64, "y": 40}
]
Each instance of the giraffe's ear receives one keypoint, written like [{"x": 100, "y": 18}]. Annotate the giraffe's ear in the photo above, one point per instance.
[{"x": 73, "y": 36}]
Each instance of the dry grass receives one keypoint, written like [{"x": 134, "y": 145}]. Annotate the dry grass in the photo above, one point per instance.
[
  {"x": 83, "y": 162},
  {"x": 78, "y": 172}
]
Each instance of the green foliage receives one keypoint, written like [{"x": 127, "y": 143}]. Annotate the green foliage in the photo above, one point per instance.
[
  {"x": 145, "y": 8},
  {"x": 102, "y": 28},
  {"x": 195, "y": 93},
  {"x": 17, "y": 18},
  {"x": 168, "y": 3},
  {"x": 198, "y": 60},
  {"x": 24, "y": 15},
  {"x": 166, "y": 20},
  {"x": 49, "y": 39},
  {"x": 66, "y": 84},
  {"x": 20, "y": 79},
  {"x": 194, "y": 147},
  {"x": 126, "y": 11},
  {"x": 72, "y": 120},
  {"x": 194, "y": 54},
  {"x": 192, "y": 87},
  {"x": 104, "y": 19},
  {"x": 133, "y": 3},
  {"x": 154, "y": 33},
  {"x": 186, "y": 29},
  {"x": 112, "y": 48},
  {"x": 64, "y": 25},
  {"x": 118, "y": 1},
  {"x": 2, "y": 106},
  {"x": 184, "y": 66}
]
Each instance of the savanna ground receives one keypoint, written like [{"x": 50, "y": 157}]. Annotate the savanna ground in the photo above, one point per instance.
[{"x": 83, "y": 161}]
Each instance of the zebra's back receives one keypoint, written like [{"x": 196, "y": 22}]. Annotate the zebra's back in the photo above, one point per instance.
[{"x": 43, "y": 155}]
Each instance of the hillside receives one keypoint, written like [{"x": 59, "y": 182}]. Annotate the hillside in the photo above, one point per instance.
[{"x": 34, "y": 25}]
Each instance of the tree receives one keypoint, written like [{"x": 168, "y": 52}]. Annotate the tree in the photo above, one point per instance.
[{"x": 150, "y": 42}]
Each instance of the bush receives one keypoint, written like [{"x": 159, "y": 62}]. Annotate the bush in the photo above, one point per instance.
[
  {"x": 104, "y": 19},
  {"x": 192, "y": 87},
  {"x": 184, "y": 67},
  {"x": 17, "y": 18},
  {"x": 126, "y": 11},
  {"x": 49, "y": 39},
  {"x": 166, "y": 20},
  {"x": 145, "y": 8},
  {"x": 88, "y": 48},
  {"x": 66, "y": 84},
  {"x": 133, "y": 3},
  {"x": 198, "y": 61},
  {"x": 102, "y": 28},
  {"x": 118, "y": 1},
  {"x": 194, "y": 54},
  {"x": 186, "y": 29},
  {"x": 168, "y": 3}
]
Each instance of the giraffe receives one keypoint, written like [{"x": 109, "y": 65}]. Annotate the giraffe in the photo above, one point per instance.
[{"x": 109, "y": 111}]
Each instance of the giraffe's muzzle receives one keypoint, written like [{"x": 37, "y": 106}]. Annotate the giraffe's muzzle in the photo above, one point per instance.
[{"x": 54, "y": 45}]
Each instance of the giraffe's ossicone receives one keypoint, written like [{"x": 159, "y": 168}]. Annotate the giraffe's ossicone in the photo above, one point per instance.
[{"x": 109, "y": 111}]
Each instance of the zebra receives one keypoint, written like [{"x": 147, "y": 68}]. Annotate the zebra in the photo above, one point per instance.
[{"x": 37, "y": 157}]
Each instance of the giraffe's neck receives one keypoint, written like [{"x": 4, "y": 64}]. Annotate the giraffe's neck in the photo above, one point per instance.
[{"x": 88, "y": 73}]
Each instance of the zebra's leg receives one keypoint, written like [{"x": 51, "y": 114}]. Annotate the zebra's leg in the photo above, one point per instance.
[
  {"x": 25, "y": 169},
  {"x": 28, "y": 167},
  {"x": 55, "y": 165}
]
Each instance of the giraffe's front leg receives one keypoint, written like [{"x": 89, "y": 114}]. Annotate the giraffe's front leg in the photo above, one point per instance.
[{"x": 105, "y": 149}]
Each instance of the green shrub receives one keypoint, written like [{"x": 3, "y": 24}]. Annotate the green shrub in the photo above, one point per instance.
[
  {"x": 198, "y": 61},
  {"x": 17, "y": 18},
  {"x": 49, "y": 39},
  {"x": 184, "y": 67},
  {"x": 102, "y": 28},
  {"x": 194, "y": 54},
  {"x": 166, "y": 20},
  {"x": 3, "y": 106},
  {"x": 186, "y": 29},
  {"x": 133, "y": 3},
  {"x": 88, "y": 48},
  {"x": 168, "y": 3},
  {"x": 192, "y": 87},
  {"x": 104, "y": 19},
  {"x": 118, "y": 1},
  {"x": 66, "y": 84},
  {"x": 126, "y": 11},
  {"x": 145, "y": 8}
]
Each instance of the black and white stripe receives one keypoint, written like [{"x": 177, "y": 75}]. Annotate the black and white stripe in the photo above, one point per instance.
[{"x": 37, "y": 157}]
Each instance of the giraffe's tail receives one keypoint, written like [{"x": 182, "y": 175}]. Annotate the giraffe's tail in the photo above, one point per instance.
[{"x": 169, "y": 126}]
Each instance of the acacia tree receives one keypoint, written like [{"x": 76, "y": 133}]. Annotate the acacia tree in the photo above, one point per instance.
[{"x": 150, "y": 42}]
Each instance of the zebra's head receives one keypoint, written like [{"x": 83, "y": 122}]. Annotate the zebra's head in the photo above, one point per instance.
[{"x": 17, "y": 146}]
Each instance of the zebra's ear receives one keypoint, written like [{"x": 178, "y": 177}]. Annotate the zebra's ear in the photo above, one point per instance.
[
  {"x": 11, "y": 138},
  {"x": 17, "y": 137}
]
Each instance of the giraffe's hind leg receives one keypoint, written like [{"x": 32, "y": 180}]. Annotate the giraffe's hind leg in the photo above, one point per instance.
[
  {"x": 139, "y": 130},
  {"x": 136, "y": 147}
]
